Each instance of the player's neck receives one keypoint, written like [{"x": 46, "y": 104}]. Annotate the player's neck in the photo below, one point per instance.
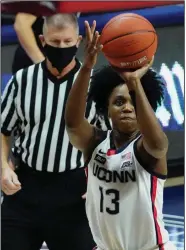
[
  {"x": 65, "y": 71},
  {"x": 120, "y": 138}
]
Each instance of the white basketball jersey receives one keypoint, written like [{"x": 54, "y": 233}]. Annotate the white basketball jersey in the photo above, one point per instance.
[{"x": 124, "y": 201}]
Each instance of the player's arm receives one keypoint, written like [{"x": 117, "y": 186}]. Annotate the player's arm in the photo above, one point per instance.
[
  {"x": 81, "y": 133},
  {"x": 153, "y": 145},
  {"x": 23, "y": 27}
]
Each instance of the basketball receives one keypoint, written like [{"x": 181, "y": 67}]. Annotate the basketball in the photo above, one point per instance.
[{"x": 129, "y": 41}]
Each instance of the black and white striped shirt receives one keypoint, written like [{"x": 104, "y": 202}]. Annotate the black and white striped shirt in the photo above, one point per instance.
[{"x": 33, "y": 103}]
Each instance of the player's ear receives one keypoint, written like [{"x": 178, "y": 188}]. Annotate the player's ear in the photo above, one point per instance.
[{"x": 42, "y": 39}]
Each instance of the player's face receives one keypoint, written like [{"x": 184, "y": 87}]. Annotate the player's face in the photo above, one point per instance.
[
  {"x": 121, "y": 110},
  {"x": 61, "y": 38}
]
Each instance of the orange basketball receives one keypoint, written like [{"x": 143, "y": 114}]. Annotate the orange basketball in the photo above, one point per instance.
[{"x": 129, "y": 41}]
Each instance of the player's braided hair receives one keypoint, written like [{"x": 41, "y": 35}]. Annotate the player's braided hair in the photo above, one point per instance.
[{"x": 106, "y": 79}]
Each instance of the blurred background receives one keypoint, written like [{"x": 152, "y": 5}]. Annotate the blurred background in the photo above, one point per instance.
[{"x": 168, "y": 20}]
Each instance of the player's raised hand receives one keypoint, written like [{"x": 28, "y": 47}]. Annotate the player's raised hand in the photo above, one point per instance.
[
  {"x": 137, "y": 74},
  {"x": 132, "y": 77},
  {"x": 92, "y": 46}
]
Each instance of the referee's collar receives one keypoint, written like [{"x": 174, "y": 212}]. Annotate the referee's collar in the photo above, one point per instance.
[{"x": 63, "y": 79}]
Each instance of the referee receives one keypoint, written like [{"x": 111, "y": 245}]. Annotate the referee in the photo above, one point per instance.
[{"x": 43, "y": 193}]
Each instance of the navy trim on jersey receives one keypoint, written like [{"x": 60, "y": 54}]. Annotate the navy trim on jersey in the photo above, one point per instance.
[
  {"x": 119, "y": 150},
  {"x": 145, "y": 166}
]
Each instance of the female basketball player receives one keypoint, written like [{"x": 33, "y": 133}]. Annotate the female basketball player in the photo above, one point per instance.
[{"x": 126, "y": 166}]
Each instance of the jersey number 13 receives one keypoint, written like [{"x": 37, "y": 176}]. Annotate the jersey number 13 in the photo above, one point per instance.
[{"x": 114, "y": 200}]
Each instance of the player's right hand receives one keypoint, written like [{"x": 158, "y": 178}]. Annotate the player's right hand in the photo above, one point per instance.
[
  {"x": 9, "y": 180},
  {"x": 92, "y": 46}
]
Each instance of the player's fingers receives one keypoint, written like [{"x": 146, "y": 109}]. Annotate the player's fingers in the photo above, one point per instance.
[
  {"x": 148, "y": 65},
  {"x": 93, "y": 27},
  {"x": 145, "y": 68},
  {"x": 151, "y": 62},
  {"x": 98, "y": 44},
  {"x": 88, "y": 32},
  {"x": 95, "y": 46},
  {"x": 96, "y": 38},
  {"x": 99, "y": 47}
]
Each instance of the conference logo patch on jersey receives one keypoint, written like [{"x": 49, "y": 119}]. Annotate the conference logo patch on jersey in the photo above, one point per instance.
[
  {"x": 126, "y": 164},
  {"x": 100, "y": 159}
]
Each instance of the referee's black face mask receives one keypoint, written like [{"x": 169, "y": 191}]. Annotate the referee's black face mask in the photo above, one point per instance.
[{"x": 60, "y": 57}]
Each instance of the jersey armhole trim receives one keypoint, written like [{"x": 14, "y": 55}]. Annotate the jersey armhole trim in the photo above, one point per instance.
[{"x": 144, "y": 165}]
